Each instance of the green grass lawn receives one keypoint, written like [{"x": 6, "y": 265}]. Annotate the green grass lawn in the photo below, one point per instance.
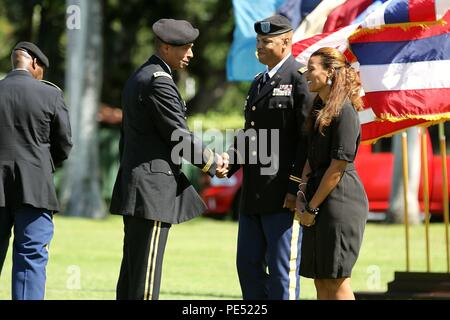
[{"x": 200, "y": 259}]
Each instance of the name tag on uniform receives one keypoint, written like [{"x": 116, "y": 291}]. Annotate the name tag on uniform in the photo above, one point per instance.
[{"x": 284, "y": 90}]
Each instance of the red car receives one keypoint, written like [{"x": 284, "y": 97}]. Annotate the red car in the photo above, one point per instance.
[{"x": 374, "y": 167}]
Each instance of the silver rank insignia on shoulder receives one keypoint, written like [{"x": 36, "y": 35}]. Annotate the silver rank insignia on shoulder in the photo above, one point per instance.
[
  {"x": 51, "y": 84},
  {"x": 257, "y": 75},
  {"x": 302, "y": 70},
  {"x": 162, "y": 74}
]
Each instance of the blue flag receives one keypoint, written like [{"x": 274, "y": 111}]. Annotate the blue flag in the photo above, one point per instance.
[
  {"x": 292, "y": 9},
  {"x": 242, "y": 64},
  {"x": 308, "y": 6},
  {"x": 297, "y": 10}
]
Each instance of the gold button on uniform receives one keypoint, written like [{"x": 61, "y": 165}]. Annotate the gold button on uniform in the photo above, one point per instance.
[
  {"x": 253, "y": 108},
  {"x": 252, "y": 123}
]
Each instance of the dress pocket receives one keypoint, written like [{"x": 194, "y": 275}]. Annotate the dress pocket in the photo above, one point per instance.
[
  {"x": 280, "y": 103},
  {"x": 160, "y": 166}
]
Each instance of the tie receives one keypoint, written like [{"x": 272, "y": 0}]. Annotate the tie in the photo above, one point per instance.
[{"x": 263, "y": 81}]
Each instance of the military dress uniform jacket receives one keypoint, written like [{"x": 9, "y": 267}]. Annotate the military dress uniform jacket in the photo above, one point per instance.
[
  {"x": 35, "y": 137},
  {"x": 283, "y": 103},
  {"x": 150, "y": 183}
]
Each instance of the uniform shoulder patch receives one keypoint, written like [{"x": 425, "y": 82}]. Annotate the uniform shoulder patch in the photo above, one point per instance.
[
  {"x": 51, "y": 84},
  {"x": 258, "y": 75},
  {"x": 302, "y": 70},
  {"x": 161, "y": 74}
]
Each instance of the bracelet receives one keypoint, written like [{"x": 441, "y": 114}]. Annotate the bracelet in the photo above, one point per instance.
[
  {"x": 210, "y": 162},
  {"x": 310, "y": 210}
]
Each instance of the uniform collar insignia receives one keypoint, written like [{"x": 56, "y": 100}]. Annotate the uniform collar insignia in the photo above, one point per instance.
[{"x": 302, "y": 70}]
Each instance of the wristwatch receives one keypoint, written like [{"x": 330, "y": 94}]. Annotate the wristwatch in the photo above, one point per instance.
[{"x": 310, "y": 210}]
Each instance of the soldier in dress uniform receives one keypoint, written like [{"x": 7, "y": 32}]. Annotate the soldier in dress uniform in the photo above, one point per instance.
[
  {"x": 277, "y": 105},
  {"x": 150, "y": 191},
  {"x": 35, "y": 137}
]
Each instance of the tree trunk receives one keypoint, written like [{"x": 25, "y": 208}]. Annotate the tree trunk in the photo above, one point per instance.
[
  {"x": 206, "y": 98},
  {"x": 49, "y": 39},
  {"x": 395, "y": 213},
  {"x": 81, "y": 194}
]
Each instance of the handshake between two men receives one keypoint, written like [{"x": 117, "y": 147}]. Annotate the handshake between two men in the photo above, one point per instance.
[{"x": 223, "y": 162}]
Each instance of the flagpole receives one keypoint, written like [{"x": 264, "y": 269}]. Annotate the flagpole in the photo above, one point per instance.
[
  {"x": 405, "y": 193},
  {"x": 426, "y": 201},
  {"x": 445, "y": 189}
]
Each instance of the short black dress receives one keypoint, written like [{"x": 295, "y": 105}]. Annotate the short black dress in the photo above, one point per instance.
[{"x": 331, "y": 246}]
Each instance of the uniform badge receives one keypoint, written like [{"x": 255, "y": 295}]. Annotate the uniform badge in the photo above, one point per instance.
[
  {"x": 265, "y": 26},
  {"x": 162, "y": 74},
  {"x": 284, "y": 90}
]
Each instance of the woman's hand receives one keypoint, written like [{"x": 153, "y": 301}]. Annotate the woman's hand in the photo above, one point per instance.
[{"x": 307, "y": 219}]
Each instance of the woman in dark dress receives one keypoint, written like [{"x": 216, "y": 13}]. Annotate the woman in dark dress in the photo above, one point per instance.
[{"x": 332, "y": 203}]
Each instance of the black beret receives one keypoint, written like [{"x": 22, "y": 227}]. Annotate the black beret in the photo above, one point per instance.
[
  {"x": 175, "y": 32},
  {"x": 273, "y": 25},
  {"x": 33, "y": 50}
]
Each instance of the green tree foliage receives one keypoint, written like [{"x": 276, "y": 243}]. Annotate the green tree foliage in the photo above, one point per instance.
[
  {"x": 128, "y": 43},
  {"x": 39, "y": 21}
]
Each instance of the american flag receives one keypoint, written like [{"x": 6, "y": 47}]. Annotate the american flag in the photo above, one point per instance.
[{"x": 402, "y": 51}]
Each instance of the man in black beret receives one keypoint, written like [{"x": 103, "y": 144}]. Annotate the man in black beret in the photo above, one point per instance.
[
  {"x": 151, "y": 191},
  {"x": 38, "y": 60},
  {"x": 277, "y": 105},
  {"x": 273, "y": 26},
  {"x": 35, "y": 137},
  {"x": 34, "y": 51}
]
